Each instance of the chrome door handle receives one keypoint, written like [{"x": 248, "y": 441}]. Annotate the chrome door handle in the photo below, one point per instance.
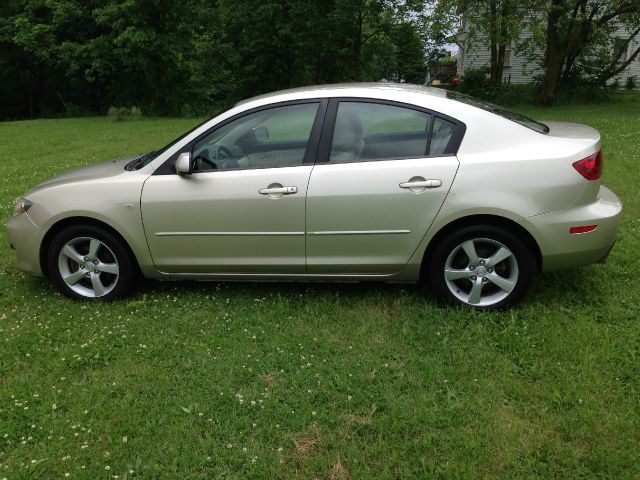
[
  {"x": 421, "y": 184},
  {"x": 278, "y": 190}
]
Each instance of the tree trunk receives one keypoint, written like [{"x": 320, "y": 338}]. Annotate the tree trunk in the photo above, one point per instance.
[
  {"x": 493, "y": 40},
  {"x": 506, "y": 12},
  {"x": 357, "y": 42},
  {"x": 554, "y": 57},
  {"x": 553, "y": 72},
  {"x": 494, "y": 63},
  {"x": 500, "y": 66}
]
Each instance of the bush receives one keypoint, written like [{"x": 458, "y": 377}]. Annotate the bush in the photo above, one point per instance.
[
  {"x": 631, "y": 82},
  {"x": 476, "y": 82},
  {"x": 582, "y": 92},
  {"x": 518, "y": 94},
  {"x": 119, "y": 114},
  {"x": 575, "y": 89}
]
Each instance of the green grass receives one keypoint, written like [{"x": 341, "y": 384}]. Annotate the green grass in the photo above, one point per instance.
[{"x": 223, "y": 380}]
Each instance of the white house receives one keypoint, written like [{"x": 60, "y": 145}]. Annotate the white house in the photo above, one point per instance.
[{"x": 518, "y": 70}]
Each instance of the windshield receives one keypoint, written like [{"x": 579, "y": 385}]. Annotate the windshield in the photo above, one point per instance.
[
  {"x": 146, "y": 159},
  {"x": 490, "y": 107}
]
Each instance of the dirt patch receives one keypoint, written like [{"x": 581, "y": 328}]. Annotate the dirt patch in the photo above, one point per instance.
[
  {"x": 305, "y": 443},
  {"x": 270, "y": 379},
  {"x": 339, "y": 472}
]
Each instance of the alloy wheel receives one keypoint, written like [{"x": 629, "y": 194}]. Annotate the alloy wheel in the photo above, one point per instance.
[
  {"x": 481, "y": 272},
  {"x": 88, "y": 267}
]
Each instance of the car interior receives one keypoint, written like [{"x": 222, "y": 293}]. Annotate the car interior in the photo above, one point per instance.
[
  {"x": 363, "y": 132},
  {"x": 266, "y": 139},
  {"x": 370, "y": 132}
]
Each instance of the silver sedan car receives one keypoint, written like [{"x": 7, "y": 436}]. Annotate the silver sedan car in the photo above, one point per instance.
[{"x": 356, "y": 182}]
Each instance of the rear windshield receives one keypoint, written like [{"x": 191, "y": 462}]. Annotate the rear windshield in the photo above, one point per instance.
[{"x": 490, "y": 107}]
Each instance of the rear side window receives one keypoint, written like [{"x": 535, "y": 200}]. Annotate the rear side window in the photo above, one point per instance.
[
  {"x": 497, "y": 110},
  {"x": 367, "y": 131},
  {"x": 441, "y": 136}
]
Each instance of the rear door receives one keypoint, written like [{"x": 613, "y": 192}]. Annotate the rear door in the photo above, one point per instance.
[{"x": 383, "y": 172}]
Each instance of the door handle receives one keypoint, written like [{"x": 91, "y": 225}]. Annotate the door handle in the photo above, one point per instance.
[
  {"x": 278, "y": 191},
  {"x": 421, "y": 184}
]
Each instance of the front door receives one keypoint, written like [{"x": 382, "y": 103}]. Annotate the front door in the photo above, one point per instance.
[{"x": 242, "y": 211}]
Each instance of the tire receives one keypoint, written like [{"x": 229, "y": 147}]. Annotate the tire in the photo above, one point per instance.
[
  {"x": 86, "y": 262},
  {"x": 494, "y": 282}
]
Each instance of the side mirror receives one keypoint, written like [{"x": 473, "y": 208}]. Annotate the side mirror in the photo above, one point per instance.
[
  {"x": 261, "y": 134},
  {"x": 183, "y": 164}
]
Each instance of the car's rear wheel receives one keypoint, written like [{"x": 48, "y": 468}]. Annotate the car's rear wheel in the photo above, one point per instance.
[
  {"x": 90, "y": 263},
  {"x": 482, "y": 266}
]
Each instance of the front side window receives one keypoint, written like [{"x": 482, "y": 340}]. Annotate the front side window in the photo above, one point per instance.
[
  {"x": 373, "y": 131},
  {"x": 271, "y": 138}
]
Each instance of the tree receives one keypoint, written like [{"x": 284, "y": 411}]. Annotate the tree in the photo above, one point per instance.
[
  {"x": 497, "y": 23},
  {"x": 409, "y": 58},
  {"x": 573, "y": 30},
  {"x": 196, "y": 56}
]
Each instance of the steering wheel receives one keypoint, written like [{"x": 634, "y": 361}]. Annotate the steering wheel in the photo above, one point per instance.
[
  {"x": 226, "y": 158},
  {"x": 203, "y": 163}
]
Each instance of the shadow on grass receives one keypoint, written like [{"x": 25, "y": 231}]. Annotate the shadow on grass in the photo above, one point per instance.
[
  {"x": 570, "y": 286},
  {"x": 575, "y": 287}
]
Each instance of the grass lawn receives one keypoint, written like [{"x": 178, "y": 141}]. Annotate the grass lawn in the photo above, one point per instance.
[{"x": 223, "y": 380}]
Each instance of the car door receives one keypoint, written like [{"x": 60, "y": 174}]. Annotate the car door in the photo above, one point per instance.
[
  {"x": 242, "y": 210},
  {"x": 381, "y": 177}
]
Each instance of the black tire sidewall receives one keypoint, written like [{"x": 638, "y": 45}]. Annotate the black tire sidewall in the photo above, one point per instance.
[
  {"x": 524, "y": 257},
  {"x": 125, "y": 265}
]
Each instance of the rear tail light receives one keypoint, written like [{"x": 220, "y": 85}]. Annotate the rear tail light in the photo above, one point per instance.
[
  {"x": 590, "y": 167},
  {"x": 584, "y": 229}
]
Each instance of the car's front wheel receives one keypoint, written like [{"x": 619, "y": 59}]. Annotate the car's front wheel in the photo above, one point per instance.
[
  {"x": 482, "y": 266},
  {"x": 88, "y": 262}
]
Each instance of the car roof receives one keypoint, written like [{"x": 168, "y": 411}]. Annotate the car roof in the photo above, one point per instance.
[{"x": 363, "y": 89}]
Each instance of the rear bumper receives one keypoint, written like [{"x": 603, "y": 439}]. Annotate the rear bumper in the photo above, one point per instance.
[
  {"x": 24, "y": 236},
  {"x": 562, "y": 250}
]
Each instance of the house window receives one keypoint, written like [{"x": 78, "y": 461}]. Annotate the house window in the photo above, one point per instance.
[
  {"x": 620, "y": 49},
  {"x": 507, "y": 55}
]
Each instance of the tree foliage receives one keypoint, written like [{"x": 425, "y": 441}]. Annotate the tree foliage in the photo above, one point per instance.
[
  {"x": 195, "y": 56},
  {"x": 573, "y": 41},
  {"x": 580, "y": 41},
  {"x": 492, "y": 24}
]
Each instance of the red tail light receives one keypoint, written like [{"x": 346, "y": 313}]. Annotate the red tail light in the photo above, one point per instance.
[
  {"x": 590, "y": 167},
  {"x": 585, "y": 229}
]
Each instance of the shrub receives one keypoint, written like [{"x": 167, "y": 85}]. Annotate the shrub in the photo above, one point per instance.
[
  {"x": 582, "y": 92},
  {"x": 631, "y": 82},
  {"x": 119, "y": 114},
  {"x": 518, "y": 94},
  {"x": 476, "y": 82}
]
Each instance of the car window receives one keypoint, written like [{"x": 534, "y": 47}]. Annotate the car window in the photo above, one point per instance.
[
  {"x": 441, "y": 137},
  {"x": 271, "y": 138},
  {"x": 503, "y": 112},
  {"x": 374, "y": 131}
]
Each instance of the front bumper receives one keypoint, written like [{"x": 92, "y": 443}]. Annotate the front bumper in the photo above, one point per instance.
[
  {"x": 562, "y": 250},
  {"x": 24, "y": 236}
]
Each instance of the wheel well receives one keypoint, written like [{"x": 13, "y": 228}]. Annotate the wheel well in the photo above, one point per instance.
[
  {"x": 71, "y": 221},
  {"x": 494, "y": 220}
]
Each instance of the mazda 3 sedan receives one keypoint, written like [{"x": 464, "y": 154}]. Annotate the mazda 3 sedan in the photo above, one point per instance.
[{"x": 358, "y": 182}]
